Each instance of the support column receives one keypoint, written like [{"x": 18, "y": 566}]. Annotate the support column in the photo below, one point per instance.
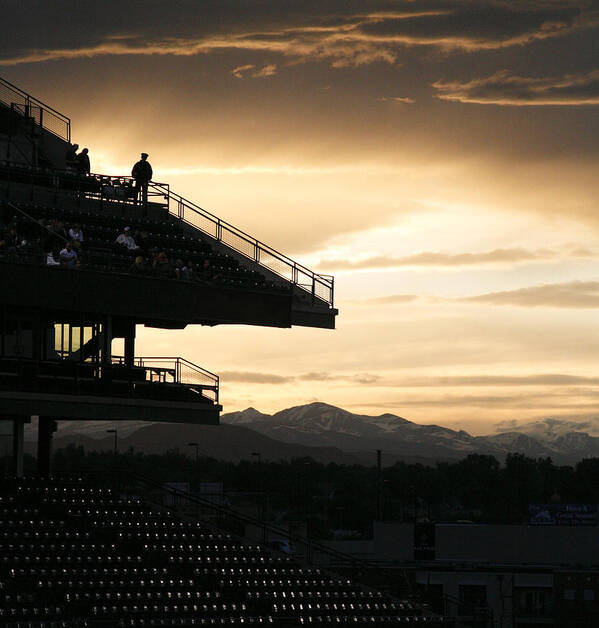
[
  {"x": 18, "y": 441},
  {"x": 107, "y": 339},
  {"x": 46, "y": 427},
  {"x": 130, "y": 346}
]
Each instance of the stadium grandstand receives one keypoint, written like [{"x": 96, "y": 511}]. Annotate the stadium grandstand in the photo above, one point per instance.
[{"x": 84, "y": 261}]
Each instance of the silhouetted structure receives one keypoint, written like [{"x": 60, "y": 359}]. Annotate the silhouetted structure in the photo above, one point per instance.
[{"x": 58, "y": 324}]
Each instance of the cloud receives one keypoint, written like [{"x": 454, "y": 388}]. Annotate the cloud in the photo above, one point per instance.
[
  {"x": 433, "y": 381},
  {"x": 341, "y": 33},
  {"x": 253, "y": 378},
  {"x": 270, "y": 378},
  {"x": 394, "y": 298},
  {"x": 567, "y": 400},
  {"x": 540, "y": 379},
  {"x": 242, "y": 70},
  {"x": 496, "y": 256},
  {"x": 547, "y": 427},
  {"x": 267, "y": 70},
  {"x": 504, "y": 88},
  {"x": 575, "y": 294},
  {"x": 471, "y": 26},
  {"x": 400, "y": 99}
]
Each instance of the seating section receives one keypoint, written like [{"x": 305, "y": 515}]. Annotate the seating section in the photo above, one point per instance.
[
  {"x": 164, "y": 249},
  {"x": 73, "y": 555}
]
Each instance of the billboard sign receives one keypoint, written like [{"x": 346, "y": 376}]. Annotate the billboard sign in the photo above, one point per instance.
[{"x": 562, "y": 514}]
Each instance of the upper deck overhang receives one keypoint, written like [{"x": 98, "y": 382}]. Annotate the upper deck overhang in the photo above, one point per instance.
[{"x": 151, "y": 301}]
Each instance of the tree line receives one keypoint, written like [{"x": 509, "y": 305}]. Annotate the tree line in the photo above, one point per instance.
[{"x": 333, "y": 497}]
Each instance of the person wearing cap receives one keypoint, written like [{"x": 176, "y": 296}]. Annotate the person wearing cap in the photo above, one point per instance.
[
  {"x": 83, "y": 166},
  {"x": 126, "y": 239},
  {"x": 142, "y": 173}
]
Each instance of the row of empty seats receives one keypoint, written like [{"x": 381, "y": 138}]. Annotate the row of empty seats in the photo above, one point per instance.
[{"x": 102, "y": 568}]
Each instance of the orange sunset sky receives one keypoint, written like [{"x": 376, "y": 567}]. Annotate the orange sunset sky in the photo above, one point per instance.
[{"x": 439, "y": 157}]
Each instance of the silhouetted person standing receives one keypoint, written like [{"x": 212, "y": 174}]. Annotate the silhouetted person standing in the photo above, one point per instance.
[
  {"x": 83, "y": 166},
  {"x": 142, "y": 173},
  {"x": 71, "y": 157}
]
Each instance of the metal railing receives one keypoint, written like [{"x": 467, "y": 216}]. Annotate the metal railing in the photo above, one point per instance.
[
  {"x": 225, "y": 518},
  {"x": 93, "y": 186},
  {"x": 319, "y": 286},
  {"x": 177, "y": 370},
  {"x": 34, "y": 109}
]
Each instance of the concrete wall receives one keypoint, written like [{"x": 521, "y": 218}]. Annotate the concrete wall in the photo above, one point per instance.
[
  {"x": 558, "y": 545},
  {"x": 394, "y": 541}
]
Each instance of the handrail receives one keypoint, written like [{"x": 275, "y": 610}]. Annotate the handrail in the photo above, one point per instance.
[
  {"x": 59, "y": 124},
  {"x": 34, "y": 221},
  {"x": 319, "y": 286},
  {"x": 312, "y": 547},
  {"x": 177, "y": 370}
]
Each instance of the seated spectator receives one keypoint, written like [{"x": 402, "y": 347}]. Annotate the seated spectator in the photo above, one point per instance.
[
  {"x": 51, "y": 259},
  {"x": 207, "y": 274},
  {"x": 161, "y": 265},
  {"x": 126, "y": 239},
  {"x": 142, "y": 239},
  {"x": 138, "y": 267},
  {"x": 108, "y": 189},
  {"x": 76, "y": 235},
  {"x": 179, "y": 269},
  {"x": 188, "y": 271},
  {"x": 12, "y": 239},
  {"x": 68, "y": 257}
]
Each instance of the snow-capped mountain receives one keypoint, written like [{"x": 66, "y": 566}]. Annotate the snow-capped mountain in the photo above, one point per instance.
[
  {"x": 320, "y": 424},
  {"x": 337, "y": 433}
]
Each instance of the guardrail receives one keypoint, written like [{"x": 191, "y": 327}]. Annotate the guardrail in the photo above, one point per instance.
[
  {"x": 34, "y": 109},
  {"x": 177, "y": 370},
  {"x": 319, "y": 286},
  {"x": 223, "y": 517}
]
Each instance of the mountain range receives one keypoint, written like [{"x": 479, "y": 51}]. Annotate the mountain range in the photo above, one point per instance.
[{"x": 330, "y": 434}]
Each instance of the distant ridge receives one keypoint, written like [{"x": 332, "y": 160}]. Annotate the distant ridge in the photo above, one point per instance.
[{"x": 331, "y": 434}]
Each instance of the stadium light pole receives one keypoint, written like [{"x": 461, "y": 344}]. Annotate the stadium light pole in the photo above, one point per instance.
[{"x": 115, "y": 437}]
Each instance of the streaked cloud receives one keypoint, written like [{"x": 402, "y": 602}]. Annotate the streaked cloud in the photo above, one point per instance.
[
  {"x": 253, "y": 378},
  {"x": 575, "y": 294},
  {"x": 240, "y": 70},
  {"x": 340, "y": 33},
  {"x": 504, "y": 88},
  {"x": 541, "y": 379},
  {"x": 432, "y": 381},
  {"x": 563, "y": 400},
  {"x": 250, "y": 70},
  {"x": 546, "y": 427},
  {"x": 394, "y": 298},
  {"x": 398, "y": 99},
  {"x": 428, "y": 258},
  {"x": 322, "y": 376}
]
